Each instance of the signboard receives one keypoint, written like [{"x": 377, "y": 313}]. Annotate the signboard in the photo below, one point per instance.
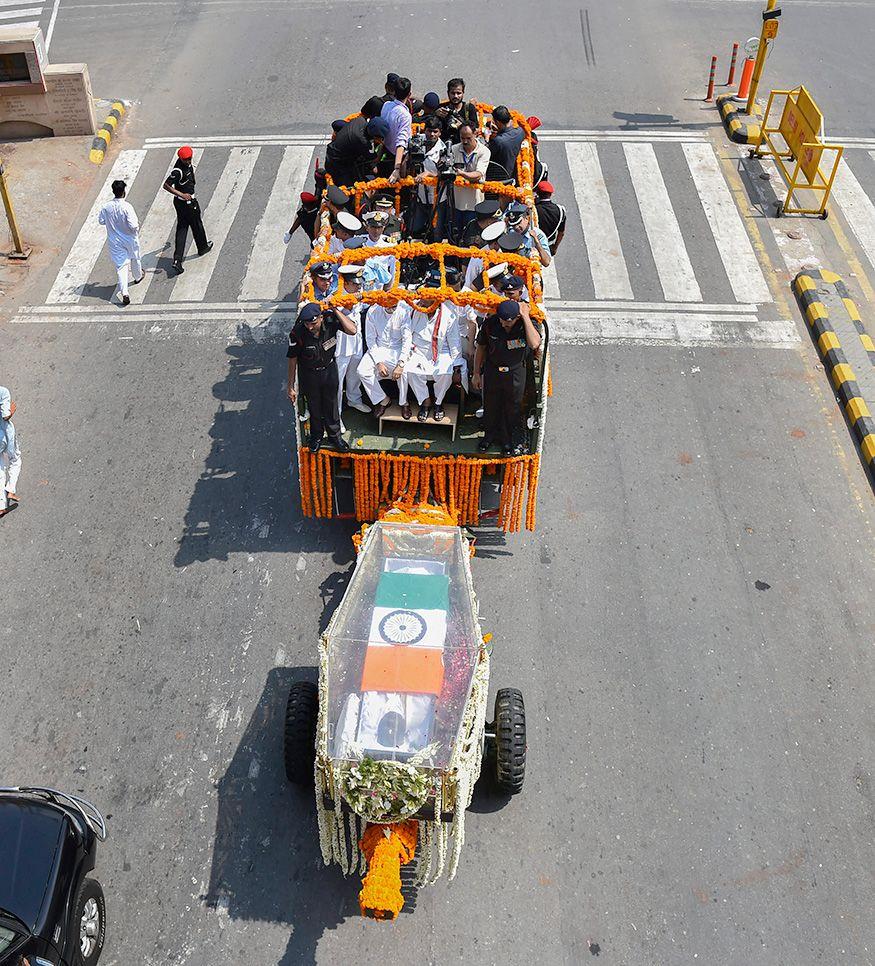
[
  {"x": 770, "y": 29},
  {"x": 801, "y": 124}
]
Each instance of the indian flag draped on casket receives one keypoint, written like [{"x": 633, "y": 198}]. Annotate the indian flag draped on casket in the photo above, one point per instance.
[{"x": 408, "y": 631}]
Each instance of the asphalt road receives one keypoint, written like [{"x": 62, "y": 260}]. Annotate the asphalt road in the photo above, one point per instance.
[{"x": 691, "y": 623}]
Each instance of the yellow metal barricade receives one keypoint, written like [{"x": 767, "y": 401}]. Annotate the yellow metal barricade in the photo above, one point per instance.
[{"x": 797, "y": 147}]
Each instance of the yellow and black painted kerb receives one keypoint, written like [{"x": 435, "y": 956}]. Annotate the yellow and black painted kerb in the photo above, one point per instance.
[
  {"x": 100, "y": 144},
  {"x": 743, "y": 128},
  {"x": 835, "y": 362}
]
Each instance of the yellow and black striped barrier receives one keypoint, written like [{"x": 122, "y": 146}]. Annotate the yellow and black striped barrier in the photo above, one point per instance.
[
  {"x": 835, "y": 362},
  {"x": 741, "y": 127},
  {"x": 100, "y": 144}
]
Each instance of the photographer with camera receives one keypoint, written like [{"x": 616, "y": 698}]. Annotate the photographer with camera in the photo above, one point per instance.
[
  {"x": 456, "y": 111},
  {"x": 470, "y": 158},
  {"x": 426, "y": 159}
]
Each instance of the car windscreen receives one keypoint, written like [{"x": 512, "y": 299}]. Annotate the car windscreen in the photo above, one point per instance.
[{"x": 7, "y": 938}]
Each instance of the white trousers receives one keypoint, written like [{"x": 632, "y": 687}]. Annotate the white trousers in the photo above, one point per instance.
[
  {"x": 419, "y": 370},
  {"x": 370, "y": 378},
  {"x": 10, "y": 467},
  {"x": 131, "y": 264},
  {"x": 348, "y": 372}
]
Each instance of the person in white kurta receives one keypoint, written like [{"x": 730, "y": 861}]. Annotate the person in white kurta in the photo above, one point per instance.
[
  {"x": 122, "y": 238},
  {"x": 348, "y": 353},
  {"x": 10, "y": 453},
  {"x": 387, "y": 357},
  {"x": 436, "y": 354}
]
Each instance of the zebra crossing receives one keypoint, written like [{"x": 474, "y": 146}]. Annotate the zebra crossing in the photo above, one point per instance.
[
  {"x": 21, "y": 13},
  {"x": 656, "y": 251}
]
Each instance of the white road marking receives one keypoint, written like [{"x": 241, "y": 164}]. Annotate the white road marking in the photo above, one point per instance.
[
  {"x": 265, "y": 265},
  {"x": 669, "y": 329},
  {"x": 51, "y": 29},
  {"x": 29, "y": 12},
  {"x": 733, "y": 244},
  {"x": 218, "y": 218},
  {"x": 155, "y": 231},
  {"x": 89, "y": 243},
  {"x": 673, "y": 265},
  {"x": 857, "y": 208},
  {"x": 606, "y": 260}
]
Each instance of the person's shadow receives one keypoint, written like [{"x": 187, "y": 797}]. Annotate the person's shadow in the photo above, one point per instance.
[{"x": 267, "y": 865}]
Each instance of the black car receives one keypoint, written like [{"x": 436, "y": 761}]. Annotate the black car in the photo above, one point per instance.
[{"x": 51, "y": 913}]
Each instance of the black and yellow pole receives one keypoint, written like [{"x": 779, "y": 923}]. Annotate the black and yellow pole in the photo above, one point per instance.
[
  {"x": 20, "y": 250},
  {"x": 768, "y": 33}
]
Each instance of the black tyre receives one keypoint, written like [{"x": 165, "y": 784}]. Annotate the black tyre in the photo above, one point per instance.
[
  {"x": 300, "y": 732},
  {"x": 89, "y": 923},
  {"x": 510, "y": 741}
]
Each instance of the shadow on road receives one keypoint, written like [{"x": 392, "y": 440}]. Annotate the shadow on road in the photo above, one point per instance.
[
  {"x": 267, "y": 866},
  {"x": 246, "y": 499}
]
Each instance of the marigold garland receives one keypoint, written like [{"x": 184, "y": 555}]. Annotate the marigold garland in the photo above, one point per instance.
[
  {"x": 386, "y": 848},
  {"x": 452, "y": 481}
]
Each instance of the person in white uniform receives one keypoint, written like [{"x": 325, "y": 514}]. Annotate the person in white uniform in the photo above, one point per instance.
[
  {"x": 436, "y": 351},
  {"x": 348, "y": 353},
  {"x": 10, "y": 454},
  {"x": 122, "y": 238},
  {"x": 386, "y": 358}
]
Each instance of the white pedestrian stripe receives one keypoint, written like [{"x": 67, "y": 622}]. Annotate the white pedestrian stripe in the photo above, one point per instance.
[
  {"x": 156, "y": 234},
  {"x": 218, "y": 218},
  {"x": 12, "y": 14},
  {"x": 89, "y": 243},
  {"x": 265, "y": 265},
  {"x": 606, "y": 262},
  {"x": 856, "y": 207},
  {"x": 736, "y": 252},
  {"x": 676, "y": 275}
]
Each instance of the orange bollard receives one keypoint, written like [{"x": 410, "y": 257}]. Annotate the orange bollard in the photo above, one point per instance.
[
  {"x": 732, "y": 65},
  {"x": 710, "y": 95},
  {"x": 746, "y": 77}
]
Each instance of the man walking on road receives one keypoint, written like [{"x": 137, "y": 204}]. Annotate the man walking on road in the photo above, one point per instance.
[
  {"x": 180, "y": 183},
  {"x": 10, "y": 454},
  {"x": 122, "y": 238}
]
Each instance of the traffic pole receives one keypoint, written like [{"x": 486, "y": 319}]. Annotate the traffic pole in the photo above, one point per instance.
[
  {"x": 746, "y": 75},
  {"x": 762, "y": 50},
  {"x": 732, "y": 65},
  {"x": 20, "y": 250},
  {"x": 710, "y": 95}
]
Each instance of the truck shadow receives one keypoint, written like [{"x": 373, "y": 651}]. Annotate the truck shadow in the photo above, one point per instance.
[
  {"x": 267, "y": 866},
  {"x": 246, "y": 498}
]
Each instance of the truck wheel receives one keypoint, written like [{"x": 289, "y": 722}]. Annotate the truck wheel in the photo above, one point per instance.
[
  {"x": 300, "y": 732},
  {"x": 89, "y": 919},
  {"x": 510, "y": 741}
]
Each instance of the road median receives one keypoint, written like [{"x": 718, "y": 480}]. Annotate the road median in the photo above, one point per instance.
[{"x": 847, "y": 351}]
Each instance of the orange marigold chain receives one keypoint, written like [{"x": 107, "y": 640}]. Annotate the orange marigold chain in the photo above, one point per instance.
[{"x": 386, "y": 848}]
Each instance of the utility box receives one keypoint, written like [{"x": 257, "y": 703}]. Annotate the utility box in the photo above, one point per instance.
[{"x": 39, "y": 99}]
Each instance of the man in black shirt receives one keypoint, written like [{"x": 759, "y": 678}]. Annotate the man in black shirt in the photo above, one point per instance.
[
  {"x": 551, "y": 217},
  {"x": 455, "y": 112},
  {"x": 347, "y": 156},
  {"x": 180, "y": 183},
  {"x": 312, "y": 345},
  {"x": 504, "y": 343},
  {"x": 506, "y": 140}
]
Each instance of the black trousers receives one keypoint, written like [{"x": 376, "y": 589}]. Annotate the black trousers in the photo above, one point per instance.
[
  {"x": 503, "y": 403},
  {"x": 188, "y": 215},
  {"x": 320, "y": 388}
]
